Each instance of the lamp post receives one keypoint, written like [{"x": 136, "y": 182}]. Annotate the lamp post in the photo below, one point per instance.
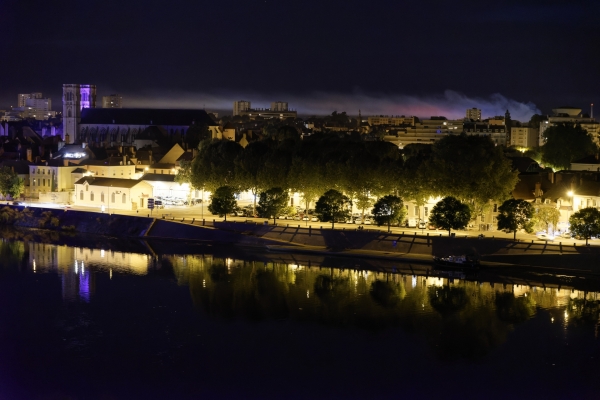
[{"x": 570, "y": 194}]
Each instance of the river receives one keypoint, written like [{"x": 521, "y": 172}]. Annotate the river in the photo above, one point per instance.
[{"x": 85, "y": 320}]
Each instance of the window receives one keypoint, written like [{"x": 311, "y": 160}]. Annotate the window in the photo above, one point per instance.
[
  {"x": 92, "y": 196},
  {"x": 87, "y": 188},
  {"x": 426, "y": 211},
  {"x": 112, "y": 198},
  {"x": 495, "y": 207},
  {"x": 102, "y": 197},
  {"x": 482, "y": 218},
  {"x": 81, "y": 195},
  {"x": 124, "y": 198},
  {"x": 44, "y": 182},
  {"x": 416, "y": 210},
  {"x": 547, "y": 201}
]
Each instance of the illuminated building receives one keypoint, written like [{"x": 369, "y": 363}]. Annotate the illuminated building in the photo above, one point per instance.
[
  {"x": 107, "y": 127},
  {"x": 109, "y": 194},
  {"x": 112, "y": 101},
  {"x": 75, "y": 98},
  {"x": 524, "y": 137},
  {"x": 23, "y": 97},
  {"x": 239, "y": 106},
  {"x": 474, "y": 114},
  {"x": 391, "y": 120},
  {"x": 572, "y": 115},
  {"x": 279, "y": 109}
]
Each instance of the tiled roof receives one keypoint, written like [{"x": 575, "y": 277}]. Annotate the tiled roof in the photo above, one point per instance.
[
  {"x": 139, "y": 116},
  {"x": 158, "y": 177},
  {"x": 114, "y": 182}
]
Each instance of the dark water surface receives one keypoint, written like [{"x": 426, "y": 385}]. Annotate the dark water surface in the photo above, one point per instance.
[{"x": 86, "y": 323}]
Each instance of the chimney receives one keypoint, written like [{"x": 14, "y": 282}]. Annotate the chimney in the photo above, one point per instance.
[{"x": 29, "y": 155}]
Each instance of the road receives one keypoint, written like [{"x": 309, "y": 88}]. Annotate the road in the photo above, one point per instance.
[{"x": 200, "y": 212}]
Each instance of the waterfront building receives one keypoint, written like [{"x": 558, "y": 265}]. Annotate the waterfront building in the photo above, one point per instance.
[{"x": 107, "y": 194}]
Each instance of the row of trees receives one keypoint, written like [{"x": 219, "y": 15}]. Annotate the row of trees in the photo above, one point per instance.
[
  {"x": 470, "y": 168},
  {"x": 514, "y": 215},
  {"x": 10, "y": 183}
]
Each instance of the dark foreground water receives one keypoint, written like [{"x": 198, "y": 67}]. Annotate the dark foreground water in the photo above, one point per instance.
[{"x": 87, "y": 323}]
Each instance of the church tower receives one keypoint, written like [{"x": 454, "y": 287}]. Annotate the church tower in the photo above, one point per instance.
[{"x": 75, "y": 98}]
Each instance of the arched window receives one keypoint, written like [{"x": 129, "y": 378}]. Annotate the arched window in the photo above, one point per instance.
[
  {"x": 87, "y": 188},
  {"x": 92, "y": 196},
  {"x": 102, "y": 197},
  {"x": 124, "y": 198},
  {"x": 112, "y": 197},
  {"x": 81, "y": 195}
]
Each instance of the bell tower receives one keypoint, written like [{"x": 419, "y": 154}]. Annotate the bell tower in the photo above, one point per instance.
[{"x": 75, "y": 98}]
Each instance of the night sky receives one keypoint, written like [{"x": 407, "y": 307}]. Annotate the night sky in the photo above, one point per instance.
[{"x": 414, "y": 57}]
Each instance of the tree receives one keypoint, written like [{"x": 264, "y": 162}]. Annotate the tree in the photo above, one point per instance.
[
  {"x": 565, "y": 143},
  {"x": 250, "y": 168},
  {"x": 272, "y": 202},
  {"x": 545, "y": 216},
  {"x": 389, "y": 209},
  {"x": 585, "y": 223},
  {"x": 196, "y": 133},
  {"x": 10, "y": 183},
  {"x": 514, "y": 215},
  {"x": 449, "y": 213},
  {"x": 223, "y": 202},
  {"x": 332, "y": 206},
  {"x": 214, "y": 166},
  {"x": 471, "y": 168}
]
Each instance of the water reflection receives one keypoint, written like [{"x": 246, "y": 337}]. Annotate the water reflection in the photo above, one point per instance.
[{"x": 457, "y": 318}]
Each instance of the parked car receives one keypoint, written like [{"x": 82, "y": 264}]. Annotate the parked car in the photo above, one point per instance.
[{"x": 545, "y": 237}]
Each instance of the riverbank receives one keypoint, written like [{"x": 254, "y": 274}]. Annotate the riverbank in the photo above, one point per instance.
[{"x": 409, "y": 247}]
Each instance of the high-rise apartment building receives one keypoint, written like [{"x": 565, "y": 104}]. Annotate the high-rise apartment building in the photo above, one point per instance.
[
  {"x": 75, "y": 98},
  {"x": 279, "y": 106},
  {"x": 524, "y": 136},
  {"x": 23, "y": 97},
  {"x": 474, "y": 114},
  {"x": 240, "y": 106},
  {"x": 112, "y": 101}
]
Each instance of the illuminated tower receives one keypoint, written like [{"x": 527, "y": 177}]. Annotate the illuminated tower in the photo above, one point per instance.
[{"x": 75, "y": 98}]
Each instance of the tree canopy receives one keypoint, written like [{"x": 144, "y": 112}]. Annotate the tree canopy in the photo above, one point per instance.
[
  {"x": 514, "y": 215},
  {"x": 585, "y": 223},
  {"x": 332, "y": 206},
  {"x": 449, "y": 213},
  {"x": 10, "y": 183},
  {"x": 565, "y": 143},
  {"x": 272, "y": 202},
  {"x": 223, "y": 202},
  {"x": 471, "y": 167},
  {"x": 389, "y": 210}
]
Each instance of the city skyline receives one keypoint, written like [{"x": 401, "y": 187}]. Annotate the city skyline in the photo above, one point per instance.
[{"x": 430, "y": 58}]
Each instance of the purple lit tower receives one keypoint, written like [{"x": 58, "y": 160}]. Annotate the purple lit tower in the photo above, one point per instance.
[{"x": 75, "y": 98}]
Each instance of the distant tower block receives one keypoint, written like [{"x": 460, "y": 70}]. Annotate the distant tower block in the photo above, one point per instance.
[
  {"x": 279, "y": 106},
  {"x": 474, "y": 114},
  {"x": 75, "y": 98},
  {"x": 112, "y": 101},
  {"x": 239, "y": 106}
]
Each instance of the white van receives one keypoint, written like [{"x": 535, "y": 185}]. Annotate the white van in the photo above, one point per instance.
[{"x": 411, "y": 223}]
